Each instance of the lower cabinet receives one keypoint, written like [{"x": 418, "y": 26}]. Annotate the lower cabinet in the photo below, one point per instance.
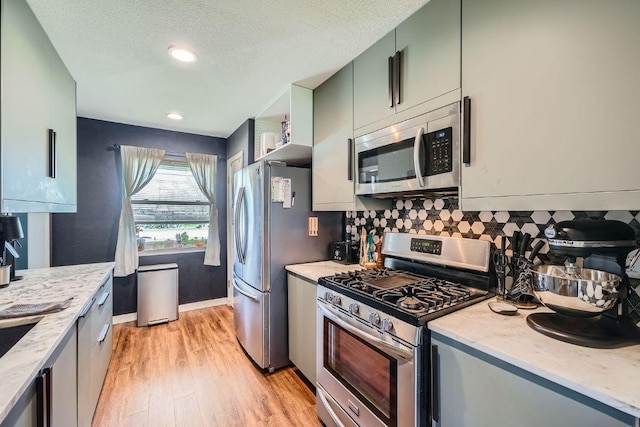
[
  {"x": 474, "y": 389},
  {"x": 65, "y": 393},
  {"x": 302, "y": 326},
  {"x": 51, "y": 400},
  {"x": 95, "y": 340}
]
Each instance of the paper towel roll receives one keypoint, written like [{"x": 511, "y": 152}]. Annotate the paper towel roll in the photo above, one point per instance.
[{"x": 267, "y": 142}]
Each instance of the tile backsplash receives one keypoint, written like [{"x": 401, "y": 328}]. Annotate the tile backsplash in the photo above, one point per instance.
[{"x": 442, "y": 216}]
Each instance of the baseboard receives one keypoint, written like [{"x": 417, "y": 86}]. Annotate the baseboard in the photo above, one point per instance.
[
  {"x": 202, "y": 304},
  {"x": 132, "y": 317}
]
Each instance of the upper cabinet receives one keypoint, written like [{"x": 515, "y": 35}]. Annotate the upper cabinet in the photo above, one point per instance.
[
  {"x": 412, "y": 70},
  {"x": 38, "y": 117},
  {"x": 333, "y": 147},
  {"x": 295, "y": 105},
  {"x": 553, "y": 88}
]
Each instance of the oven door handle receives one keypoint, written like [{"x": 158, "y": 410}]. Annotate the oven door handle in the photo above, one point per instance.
[
  {"x": 382, "y": 344},
  {"x": 417, "y": 145}
]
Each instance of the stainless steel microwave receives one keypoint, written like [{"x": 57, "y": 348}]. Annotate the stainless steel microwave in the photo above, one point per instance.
[{"x": 414, "y": 157}]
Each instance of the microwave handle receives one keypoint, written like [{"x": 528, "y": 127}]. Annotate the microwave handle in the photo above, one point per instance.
[
  {"x": 466, "y": 130},
  {"x": 416, "y": 156}
]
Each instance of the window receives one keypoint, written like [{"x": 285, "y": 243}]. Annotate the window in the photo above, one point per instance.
[{"x": 171, "y": 211}]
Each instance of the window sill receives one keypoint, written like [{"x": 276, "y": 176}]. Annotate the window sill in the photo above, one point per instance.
[{"x": 169, "y": 251}]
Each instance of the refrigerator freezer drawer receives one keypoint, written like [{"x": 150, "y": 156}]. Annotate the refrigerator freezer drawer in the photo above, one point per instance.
[{"x": 250, "y": 308}]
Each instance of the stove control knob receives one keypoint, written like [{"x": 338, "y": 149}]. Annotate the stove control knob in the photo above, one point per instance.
[
  {"x": 337, "y": 300},
  {"x": 328, "y": 296},
  {"x": 374, "y": 319},
  {"x": 387, "y": 325},
  {"x": 354, "y": 308}
]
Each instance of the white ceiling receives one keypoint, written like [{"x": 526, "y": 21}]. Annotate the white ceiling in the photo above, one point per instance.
[{"x": 249, "y": 51}]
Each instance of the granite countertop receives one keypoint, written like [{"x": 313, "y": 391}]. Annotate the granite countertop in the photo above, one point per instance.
[
  {"x": 608, "y": 376},
  {"x": 315, "y": 270},
  {"x": 20, "y": 365}
]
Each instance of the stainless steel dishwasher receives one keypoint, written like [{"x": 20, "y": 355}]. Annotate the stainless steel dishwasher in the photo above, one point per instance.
[{"x": 157, "y": 294}]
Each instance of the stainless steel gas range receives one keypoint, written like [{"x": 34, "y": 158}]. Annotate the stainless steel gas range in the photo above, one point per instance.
[{"x": 373, "y": 344}]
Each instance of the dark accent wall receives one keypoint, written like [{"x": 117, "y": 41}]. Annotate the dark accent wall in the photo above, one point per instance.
[
  {"x": 243, "y": 139},
  {"x": 90, "y": 234}
]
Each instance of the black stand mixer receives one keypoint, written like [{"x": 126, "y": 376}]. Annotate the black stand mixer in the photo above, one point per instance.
[{"x": 591, "y": 302}]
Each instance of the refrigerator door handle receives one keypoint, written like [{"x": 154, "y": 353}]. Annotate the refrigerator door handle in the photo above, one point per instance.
[
  {"x": 243, "y": 230},
  {"x": 237, "y": 287},
  {"x": 236, "y": 228}
]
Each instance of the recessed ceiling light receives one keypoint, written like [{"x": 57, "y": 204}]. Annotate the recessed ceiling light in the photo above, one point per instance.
[
  {"x": 182, "y": 54},
  {"x": 175, "y": 116}
]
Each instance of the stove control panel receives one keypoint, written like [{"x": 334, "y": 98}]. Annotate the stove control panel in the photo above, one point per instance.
[{"x": 426, "y": 246}]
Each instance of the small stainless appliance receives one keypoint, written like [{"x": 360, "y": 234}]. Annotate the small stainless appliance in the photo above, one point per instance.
[
  {"x": 591, "y": 302},
  {"x": 414, "y": 157},
  {"x": 10, "y": 233},
  {"x": 373, "y": 344},
  {"x": 345, "y": 252},
  {"x": 271, "y": 230}
]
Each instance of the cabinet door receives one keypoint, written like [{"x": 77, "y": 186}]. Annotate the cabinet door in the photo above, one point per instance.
[
  {"x": 25, "y": 105},
  {"x": 25, "y": 411},
  {"x": 63, "y": 122},
  {"x": 302, "y": 325},
  {"x": 371, "y": 82},
  {"x": 553, "y": 86},
  {"x": 429, "y": 42},
  {"x": 64, "y": 393},
  {"x": 515, "y": 398},
  {"x": 332, "y": 134}
]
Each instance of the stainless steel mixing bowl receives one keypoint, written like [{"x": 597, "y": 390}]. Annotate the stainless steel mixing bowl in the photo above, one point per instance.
[{"x": 575, "y": 291}]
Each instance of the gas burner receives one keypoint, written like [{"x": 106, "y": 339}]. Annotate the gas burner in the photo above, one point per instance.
[{"x": 410, "y": 303}]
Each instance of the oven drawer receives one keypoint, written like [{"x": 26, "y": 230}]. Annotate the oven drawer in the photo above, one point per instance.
[{"x": 331, "y": 414}]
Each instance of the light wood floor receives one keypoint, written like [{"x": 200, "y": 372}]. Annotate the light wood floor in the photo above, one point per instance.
[{"x": 193, "y": 372}]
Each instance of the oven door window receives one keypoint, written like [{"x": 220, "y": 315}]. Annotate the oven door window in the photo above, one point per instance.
[
  {"x": 389, "y": 163},
  {"x": 367, "y": 372}
]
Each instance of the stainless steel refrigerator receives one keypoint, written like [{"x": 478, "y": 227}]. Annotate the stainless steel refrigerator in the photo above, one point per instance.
[{"x": 267, "y": 236}]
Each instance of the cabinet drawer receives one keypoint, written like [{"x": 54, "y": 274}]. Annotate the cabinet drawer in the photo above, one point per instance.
[{"x": 100, "y": 361}]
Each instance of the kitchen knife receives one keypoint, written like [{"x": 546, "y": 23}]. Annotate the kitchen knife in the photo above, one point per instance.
[
  {"x": 524, "y": 244},
  {"x": 514, "y": 244},
  {"x": 535, "y": 250}
]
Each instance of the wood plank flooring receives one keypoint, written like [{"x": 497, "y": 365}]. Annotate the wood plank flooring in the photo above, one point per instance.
[{"x": 193, "y": 372}]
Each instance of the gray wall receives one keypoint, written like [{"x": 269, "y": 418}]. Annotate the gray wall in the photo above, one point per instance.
[
  {"x": 242, "y": 139},
  {"x": 90, "y": 234}
]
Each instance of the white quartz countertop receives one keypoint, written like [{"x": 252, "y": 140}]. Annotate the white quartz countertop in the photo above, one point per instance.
[
  {"x": 20, "y": 365},
  {"x": 608, "y": 376},
  {"x": 315, "y": 270}
]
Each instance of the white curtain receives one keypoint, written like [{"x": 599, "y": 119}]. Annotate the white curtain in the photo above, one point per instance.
[
  {"x": 203, "y": 167},
  {"x": 138, "y": 167}
]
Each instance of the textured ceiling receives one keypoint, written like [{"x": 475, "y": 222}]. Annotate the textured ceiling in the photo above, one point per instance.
[{"x": 248, "y": 53}]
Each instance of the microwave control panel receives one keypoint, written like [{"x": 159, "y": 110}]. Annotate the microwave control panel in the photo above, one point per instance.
[
  {"x": 426, "y": 246},
  {"x": 439, "y": 148}
]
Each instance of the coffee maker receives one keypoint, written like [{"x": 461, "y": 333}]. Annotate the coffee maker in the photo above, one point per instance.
[
  {"x": 10, "y": 232},
  {"x": 594, "y": 304}
]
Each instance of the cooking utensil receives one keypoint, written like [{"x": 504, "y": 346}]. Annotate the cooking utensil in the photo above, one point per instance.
[
  {"x": 500, "y": 261},
  {"x": 535, "y": 250},
  {"x": 575, "y": 291}
]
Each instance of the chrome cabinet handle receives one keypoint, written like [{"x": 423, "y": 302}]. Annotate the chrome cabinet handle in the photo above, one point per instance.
[
  {"x": 417, "y": 148},
  {"x": 243, "y": 292},
  {"x": 327, "y": 405},
  {"x": 385, "y": 346},
  {"x": 103, "y": 334},
  {"x": 103, "y": 298},
  {"x": 86, "y": 308}
]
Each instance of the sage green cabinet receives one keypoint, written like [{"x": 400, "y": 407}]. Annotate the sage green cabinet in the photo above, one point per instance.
[
  {"x": 333, "y": 163},
  {"x": 25, "y": 412},
  {"x": 38, "y": 95},
  {"x": 429, "y": 46},
  {"x": 494, "y": 393},
  {"x": 302, "y": 325},
  {"x": 554, "y": 92}
]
